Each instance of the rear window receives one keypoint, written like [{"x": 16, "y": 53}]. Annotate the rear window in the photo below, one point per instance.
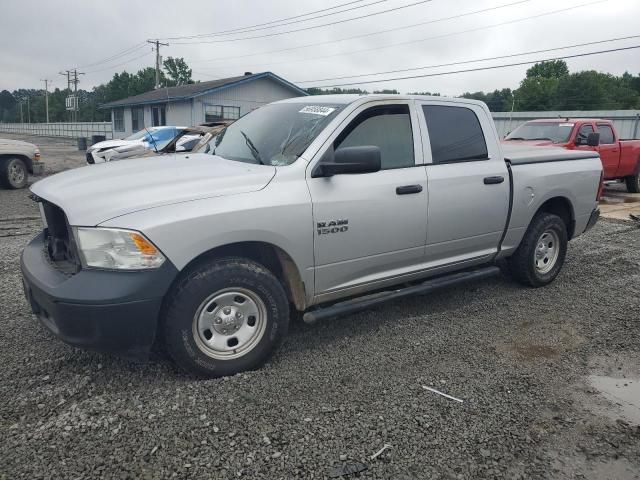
[{"x": 455, "y": 134}]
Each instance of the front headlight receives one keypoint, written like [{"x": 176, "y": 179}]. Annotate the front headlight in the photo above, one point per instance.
[{"x": 116, "y": 249}]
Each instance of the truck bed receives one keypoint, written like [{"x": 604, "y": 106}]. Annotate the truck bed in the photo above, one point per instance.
[{"x": 522, "y": 155}]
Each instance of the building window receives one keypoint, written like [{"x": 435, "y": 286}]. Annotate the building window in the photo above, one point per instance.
[
  {"x": 118, "y": 119},
  {"x": 216, "y": 113},
  {"x": 159, "y": 116},
  {"x": 137, "y": 118}
]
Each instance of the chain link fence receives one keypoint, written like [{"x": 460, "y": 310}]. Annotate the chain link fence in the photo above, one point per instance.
[{"x": 62, "y": 130}]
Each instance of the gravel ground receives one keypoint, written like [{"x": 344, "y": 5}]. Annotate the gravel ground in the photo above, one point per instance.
[{"x": 335, "y": 393}]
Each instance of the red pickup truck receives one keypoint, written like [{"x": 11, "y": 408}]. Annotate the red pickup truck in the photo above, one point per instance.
[{"x": 620, "y": 158}]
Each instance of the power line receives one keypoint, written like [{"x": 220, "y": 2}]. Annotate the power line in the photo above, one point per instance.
[
  {"x": 434, "y": 37},
  {"x": 123, "y": 53},
  {"x": 120, "y": 64},
  {"x": 267, "y": 25},
  {"x": 481, "y": 68},
  {"x": 379, "y": 32},
  {"x": 463, "y": 62},
  {"x": 313, "y": 27}
]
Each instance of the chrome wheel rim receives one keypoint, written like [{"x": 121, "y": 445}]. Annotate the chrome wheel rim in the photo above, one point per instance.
[
  {"x": 547, "y": 251},
  {"x": 229, "y": 323},
  {"x": 16, "y": 173}
]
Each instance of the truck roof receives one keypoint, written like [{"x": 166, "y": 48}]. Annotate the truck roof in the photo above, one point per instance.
[
  {"x": 346, "y": 99},
  {"x": 568, "y": 120}
]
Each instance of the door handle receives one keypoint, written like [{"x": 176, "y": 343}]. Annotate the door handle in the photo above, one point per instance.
[
  {"x": 493, "y": 180},
  {"x": 408, "y": 189}
]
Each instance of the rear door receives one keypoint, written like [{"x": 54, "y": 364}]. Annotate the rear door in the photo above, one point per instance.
[
  {"x": 609, "y": 150},
  {"x": 468, "y": 183},
  {"x": 369, "y": 228}
]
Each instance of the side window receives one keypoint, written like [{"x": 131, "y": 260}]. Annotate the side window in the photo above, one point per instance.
[
  {"x": 386, "y": 127},
  {"x": 606, "y": 134},
  {"x": 455, "y": 134},
  {"x": 583, "y": 133}
]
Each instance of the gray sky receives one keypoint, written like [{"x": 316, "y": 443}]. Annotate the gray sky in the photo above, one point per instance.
[{"x": 39, "y": 38}]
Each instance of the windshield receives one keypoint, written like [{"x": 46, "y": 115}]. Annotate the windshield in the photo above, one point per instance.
[
  {"x": 554, "y": 131},
  {"x": 275, "y": 134},
  {"x": 161, "y": 136},
  {"x": 139, "y": 134}
]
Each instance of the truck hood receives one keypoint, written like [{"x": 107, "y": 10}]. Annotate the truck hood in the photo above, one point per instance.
[
  {"x": 94, "y": 194},
  {"x": 114, "y": 143},
  {"x": 18, "y": 143}
]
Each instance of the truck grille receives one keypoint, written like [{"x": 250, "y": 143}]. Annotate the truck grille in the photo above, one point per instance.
[{"x": 60, "y": 248}]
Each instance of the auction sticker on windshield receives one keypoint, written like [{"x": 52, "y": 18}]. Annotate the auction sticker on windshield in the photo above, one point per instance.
[{"x": 317, "y": 110}]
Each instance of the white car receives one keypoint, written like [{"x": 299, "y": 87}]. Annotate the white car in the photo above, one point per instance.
[{"x": 154, "y": 139}]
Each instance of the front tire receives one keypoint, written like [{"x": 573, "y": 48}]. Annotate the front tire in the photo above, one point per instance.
[
  {"x": 542, "y": 252},
  {"x": 633, "y": 182},
  {"x": 225, "y": 317},
  {"x": 13, "y": 173}
]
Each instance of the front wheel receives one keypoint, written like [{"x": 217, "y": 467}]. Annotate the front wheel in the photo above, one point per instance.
[
  {"x": 541, "y": 254},
  {"x": 225, "y": 317},
  {"x": 13, "y": 173}
]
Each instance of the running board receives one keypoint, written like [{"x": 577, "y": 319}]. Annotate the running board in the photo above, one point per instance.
[{"x": 362, "y": 303}]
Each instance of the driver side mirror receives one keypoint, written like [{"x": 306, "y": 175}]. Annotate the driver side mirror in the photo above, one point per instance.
[
  {"x": 349, "y": 160},
  {"x": 593, "y": 139}
]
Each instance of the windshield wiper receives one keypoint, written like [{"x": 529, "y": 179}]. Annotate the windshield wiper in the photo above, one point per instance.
[
  {"x": 252, "y": 148},
  {"x": 543, "y": 138},
  {"x": 515, "y": 138}
]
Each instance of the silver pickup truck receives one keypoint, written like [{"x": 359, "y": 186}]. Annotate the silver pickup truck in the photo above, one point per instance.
[
  {"x": 318, "y": 206},
  {"x": 18, "y": 159}
]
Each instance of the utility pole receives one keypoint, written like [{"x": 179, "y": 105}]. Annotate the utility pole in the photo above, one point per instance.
[
  {"x": 73, "y": 106},
  {"x": 75, "y": 93},
  {"x": 28, "y": 110},
  {"x": 157, "y": 44},
  {"x": 68, "y": 75},
  {"x": 46, "y": 97},
  {"x": 21, "y": 115}
]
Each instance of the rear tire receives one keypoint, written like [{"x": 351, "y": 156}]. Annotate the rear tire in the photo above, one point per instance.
[
  {"x": 225, "y": 317},
  {"x": 633, "y": 183},
  {"x": 13, "y": 173},
  {"x": 542, "y": 252}
]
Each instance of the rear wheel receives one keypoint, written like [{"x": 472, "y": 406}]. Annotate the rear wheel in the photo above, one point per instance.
[
  {"x": 541, "y": 254},
  {"x": 13, "y": 173},
  {"x": 633, "y": 183},
  {"x": 225, "y": 317}
]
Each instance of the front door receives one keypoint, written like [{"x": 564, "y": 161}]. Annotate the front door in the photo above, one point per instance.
[
  {"x": 468, "y": 183},
  {"x": 367, "y": 226}
]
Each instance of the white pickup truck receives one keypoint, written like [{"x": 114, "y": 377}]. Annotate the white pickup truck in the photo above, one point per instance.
[{"x": 320, "y": 205}]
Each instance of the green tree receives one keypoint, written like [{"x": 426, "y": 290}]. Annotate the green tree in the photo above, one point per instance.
[
  {"x": 335, "y": 91},
  {"x": 550, "y": 69},
  {"x": 386, "y": 91},
  {"x": 7, "y": 107},
  {"x": 178, "y": 71},
  {"x": 536, "y": 94},
  {"x": 591, "y": 90},
  {"x": 497, "y": 101}
]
